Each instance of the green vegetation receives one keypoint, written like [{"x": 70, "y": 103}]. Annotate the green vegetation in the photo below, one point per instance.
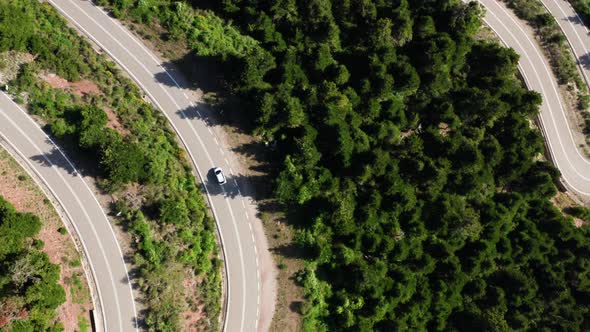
[
  {"x": 579, "y": 212},
  {"x": 406, "y": 158},
  {"x": 29, "y": 289},
  {"x": 134, "y": 145},
  {"x": 78, "y": 290},
  {"x": 83, "y": 324}
]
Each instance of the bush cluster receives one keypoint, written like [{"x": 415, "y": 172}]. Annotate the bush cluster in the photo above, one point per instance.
[{"x": 29, "y": 283}]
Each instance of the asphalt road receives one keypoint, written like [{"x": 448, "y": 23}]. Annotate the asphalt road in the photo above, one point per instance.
[
  {"x": 241, "y": 234},
  {"x": 575, "y": 31},
  {"x": 573, "y": 165},
  {"x": 51, "y": 166}
]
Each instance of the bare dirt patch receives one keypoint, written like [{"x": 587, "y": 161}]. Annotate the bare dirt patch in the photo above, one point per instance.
[
  {"x": 20, "y": 190},
  {"x": 287, "y": 316},
  {"x": 563, "y": 201},
  {"x": 114, "y": 122},
  {"x": 193, "y": 315},
  {"x": 80, "y": 88}
]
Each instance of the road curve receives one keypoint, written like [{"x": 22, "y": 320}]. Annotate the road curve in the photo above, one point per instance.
[
  {"x": 101, "y": 249},
  {"x": 241, "y": 233},
  {"x": 538, "y": 76},
  {"x": 575, "y": 31}
]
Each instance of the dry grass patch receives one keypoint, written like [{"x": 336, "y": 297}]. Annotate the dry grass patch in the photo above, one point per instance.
[
  {"x": 287, "y": 317},
  {"x": 564, "y": 202},
  {"x": 10, "y": 63}
]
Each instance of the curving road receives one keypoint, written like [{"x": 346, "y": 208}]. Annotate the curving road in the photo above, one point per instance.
[
  {"x": 249, "y": 291},
  {"x": 573, "y": 165},
  {"x": 575, "y": 31},
  {"x": 42, "y": 157}
]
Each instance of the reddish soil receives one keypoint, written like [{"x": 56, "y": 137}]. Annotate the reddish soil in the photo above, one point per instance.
[
  {"x": 190, "y": 317},
  {"x": 114, "y": 122},
  {"x": 80, "y": 88}
]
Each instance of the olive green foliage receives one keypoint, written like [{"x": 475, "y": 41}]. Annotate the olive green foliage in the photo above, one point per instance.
[
  {"x": 175, "y": 233},
  {"x": 579, "y": 212},
  {"x": 29, "y": 288},
  {"x": 404, "y": 150}
]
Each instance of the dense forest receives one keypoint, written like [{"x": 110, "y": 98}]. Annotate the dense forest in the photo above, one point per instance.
[
  {"x": 406, "y": 156},
  {"x": 132, "y": 148},
  {"x": 409, "y": 157},
  {"x": 29, "y": 289}
]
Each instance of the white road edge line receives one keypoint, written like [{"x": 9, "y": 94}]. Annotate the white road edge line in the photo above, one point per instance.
[
  {"x": 79, "y": 203},
  {"x": 551, "y": 113}
]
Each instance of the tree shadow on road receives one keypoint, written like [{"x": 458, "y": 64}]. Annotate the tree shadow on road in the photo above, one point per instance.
[
  {"x": 85, "y": 163},
  {"x": 584, "y": 60},
  {"x": 54, "y": 158},
  {"x": 206, "y": 73},
  {"x": 574, "y": 19}
]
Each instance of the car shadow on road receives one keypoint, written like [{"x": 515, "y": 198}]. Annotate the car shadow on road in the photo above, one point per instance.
[{"x": 236, "y": 185}]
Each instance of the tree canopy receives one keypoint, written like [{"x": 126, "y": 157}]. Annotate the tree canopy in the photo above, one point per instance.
[{"x": 29, "y": 288}]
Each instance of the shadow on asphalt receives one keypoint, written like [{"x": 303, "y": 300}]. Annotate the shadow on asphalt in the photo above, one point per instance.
[
  {"x": 575, "y": 19},
  {"x": 53, "y": 158},
  {"x": 585, "y": 60},
  {"x": 205, "y": 73},
  {"x": 236, "y": 185}
]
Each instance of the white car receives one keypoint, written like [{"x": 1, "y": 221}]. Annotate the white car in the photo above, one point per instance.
[{"x": 219, "y": 175}]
